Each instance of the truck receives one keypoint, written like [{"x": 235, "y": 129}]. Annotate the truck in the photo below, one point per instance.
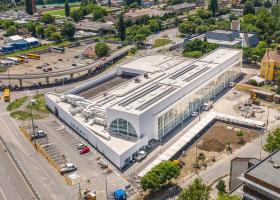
[
  {"x": 6, "y": 94},
  {"x": 207, "y": 105},
  {"x": 120, "y": 194}
]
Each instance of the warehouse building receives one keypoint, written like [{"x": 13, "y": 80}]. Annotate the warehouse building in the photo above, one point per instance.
[{"x": 166, "y": 90}]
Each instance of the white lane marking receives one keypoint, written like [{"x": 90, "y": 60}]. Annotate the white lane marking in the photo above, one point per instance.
[{"x": 3, "y": 194}]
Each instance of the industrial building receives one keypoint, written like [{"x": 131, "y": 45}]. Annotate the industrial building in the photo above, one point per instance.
[
  {"x": 16, "y": 43},
  {"x": 166, "y": 89},
  {"x": 270, "y": 65}
]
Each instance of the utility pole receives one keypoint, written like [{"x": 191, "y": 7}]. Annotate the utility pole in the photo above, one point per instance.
[
  {"x": 32, "y": 123},
  {"x": 80, "y": 192},
  {"x": 106, "y": 187},
  {"x": 265, "y": 131}
]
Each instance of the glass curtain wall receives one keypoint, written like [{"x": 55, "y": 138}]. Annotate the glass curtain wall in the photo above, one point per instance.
[
  {"x": 192, "y": 103},
  {"x": 123, "y": 127}
]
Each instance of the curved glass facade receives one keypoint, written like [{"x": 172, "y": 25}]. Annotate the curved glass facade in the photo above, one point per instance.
[
  {"x": 123, "y": 127},
  {"x": 191, "y": 103}
]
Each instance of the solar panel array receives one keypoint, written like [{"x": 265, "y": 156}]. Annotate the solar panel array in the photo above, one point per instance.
[
  {"x": 156, "y": 98},
  {"x": 139, "y": 95},
  {"x": 196, "y": 74},
  {"x": 180, "y": 73}
]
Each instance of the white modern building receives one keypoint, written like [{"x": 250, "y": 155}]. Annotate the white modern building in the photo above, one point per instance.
[{"x": 121, "y": 121}]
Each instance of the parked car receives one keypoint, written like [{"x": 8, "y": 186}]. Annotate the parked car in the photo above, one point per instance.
[
  {"x": 84, "y": 150},
  {"x": 194, "y": 114},
  {"x": 231, "y": 84},
  {"x": 81, "y": 146},
  {"x": 38, "y": 134},
  {"x": 67, "y": 168},
  {"x": 141, "y": 155}
]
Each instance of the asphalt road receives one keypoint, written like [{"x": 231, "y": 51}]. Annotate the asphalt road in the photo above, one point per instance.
[
  {"x": 12, "y": 184},
  {"x": 46, "y": 181}
]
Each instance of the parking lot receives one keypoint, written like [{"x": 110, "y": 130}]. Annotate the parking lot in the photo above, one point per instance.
[
  {"x": 93, "y": 171},
  {"x": 57, "y": 61}
]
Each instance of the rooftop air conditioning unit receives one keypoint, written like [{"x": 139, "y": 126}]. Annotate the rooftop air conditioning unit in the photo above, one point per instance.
[{"x": 137, "y": 80}]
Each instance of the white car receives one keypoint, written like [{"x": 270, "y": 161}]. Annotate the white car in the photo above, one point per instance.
[
  {"x": 67, "y": 168},
  {"x": 81, "y": 146},
  {"x": 194, "y": 114},
  {"x": 141, "y": 155}
]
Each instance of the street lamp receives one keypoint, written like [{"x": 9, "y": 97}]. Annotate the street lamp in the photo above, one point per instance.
[
  {"x": 31, "y": 103},
  {"x": 106, "y": 187}
]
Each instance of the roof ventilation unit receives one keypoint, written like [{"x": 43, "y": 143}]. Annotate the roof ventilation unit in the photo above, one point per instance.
[{"x": 137, "y": 80}]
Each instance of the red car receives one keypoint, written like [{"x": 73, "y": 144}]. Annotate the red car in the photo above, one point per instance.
[{"x": 84, "y": 150}]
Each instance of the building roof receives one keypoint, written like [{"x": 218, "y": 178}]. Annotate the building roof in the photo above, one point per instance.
[
  {"x": 16, "y": 37},
  {"x": 258, "y": 79},
  {"x": 265, "y": 175},
  {"x": 169, "y": 75},
  {"x": 148, "y": 11},
  {"x": 181, "y": 6},
  {"x": 92, "y": 26},
  {"x": 271, "y": 55},
  {"x": 31, "y": 39}
]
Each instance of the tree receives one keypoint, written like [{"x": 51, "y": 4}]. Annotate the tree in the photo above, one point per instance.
[
  {"x": 186, "y": 28},
  {"x": 228, "y": 197},
  {"x": 121, "y": 27},
  {"x": 47, "y": 19},
  {"x": 160, "y": 175},
  {"x": 153, "y": 25},
  {"x": 275, "y": 10},
  {"x": 267, "y": 4},
  {"x": 56, "y": 36},
  {"x": 67, "y": 8},
  {"x": 221, "y": 186},
  {"x": 248, "y": 8},
  {"x": 273, "y": 141},
  {"x": 12, "y": 30},
  {"x": 196, "y": 191},
  {"x": 49, "y": 30},
  {"x": 76, "y": 15},
  {"x": 98, "y": 12},
  {"x": 31, "y": 27},
  {"x": 240, "y": 135},
  {"x": 28, "y": 7},
  {"x": 137, "y": 34},
  {"x": 193, "y": 54},
  {"x": 257, "y": 3},
  {"x": 213, "y": 6},
  {"x": 68, "y": 30},
  {"x": 101, "y": 49},
  {"x": 40, "y": 31}
]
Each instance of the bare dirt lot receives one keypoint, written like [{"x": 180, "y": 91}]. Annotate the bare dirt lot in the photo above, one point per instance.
[{"x": 213, "y": 146}]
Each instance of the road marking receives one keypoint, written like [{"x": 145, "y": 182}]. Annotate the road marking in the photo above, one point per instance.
[
  {"x": 35, "y": 167},
  {"x": 3, "y": 194}
]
